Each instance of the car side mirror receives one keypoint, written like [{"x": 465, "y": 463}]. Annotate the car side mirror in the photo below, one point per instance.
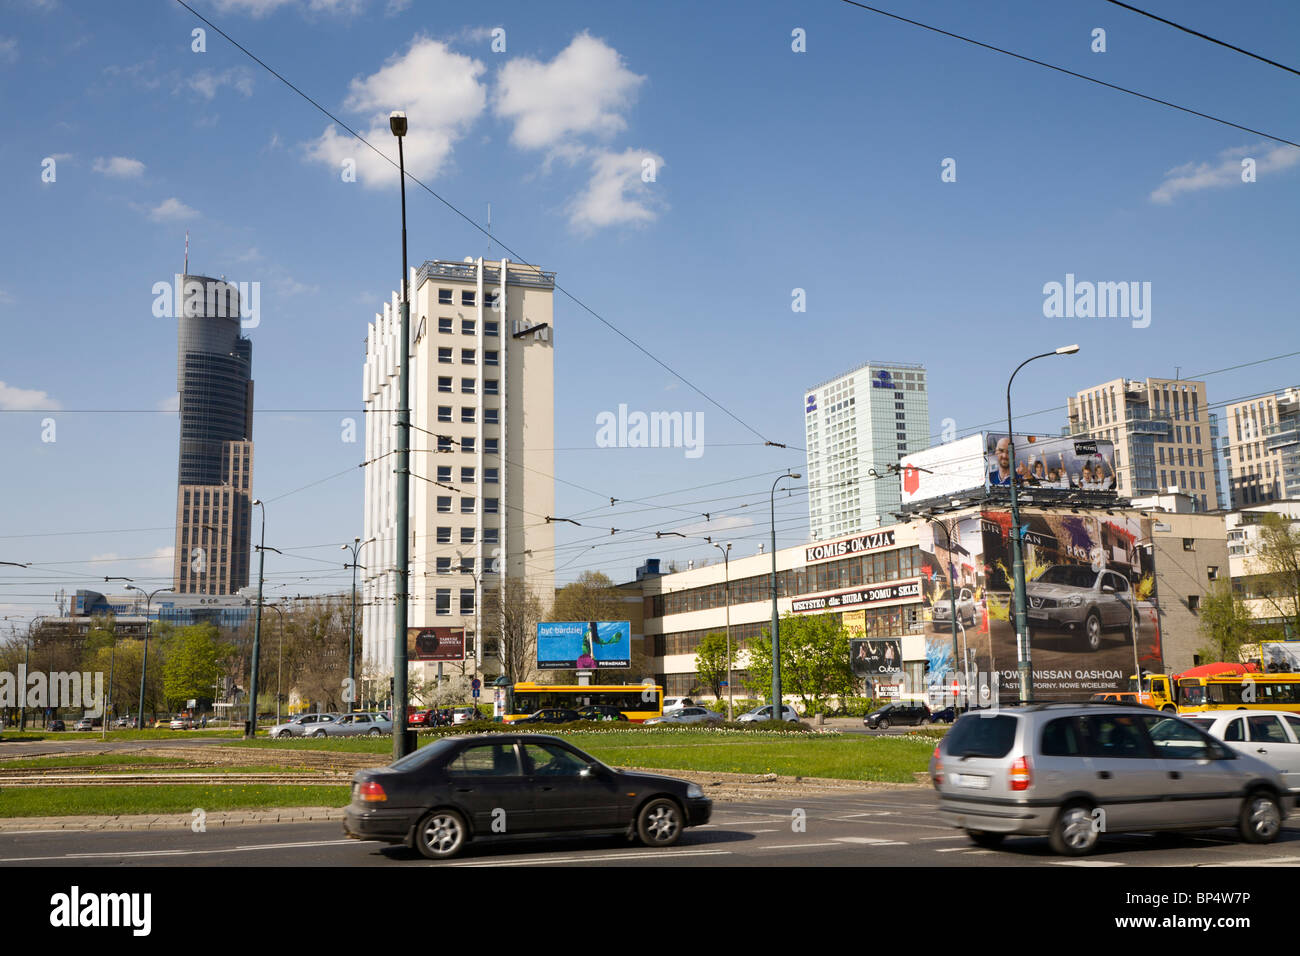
[{"x": 1107, "y": 589}]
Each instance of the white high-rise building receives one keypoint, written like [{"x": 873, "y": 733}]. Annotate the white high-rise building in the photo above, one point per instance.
[
  {"x": 482, "y": 452},
  {"x": 860, "y": 422}
]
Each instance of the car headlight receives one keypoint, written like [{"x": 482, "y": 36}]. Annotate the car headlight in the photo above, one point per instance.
[
  {"x": 1074, "y": 600},
  {"x": 694, "y": 791}
]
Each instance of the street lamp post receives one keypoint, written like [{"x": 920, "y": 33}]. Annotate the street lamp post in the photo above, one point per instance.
[
  {"x": 352, "y": 633},
  {"x": 1017, "y": 541},
  {"x": 280, "y": 663},
  {"x": 397, "y": 123},
  {"x": 726, "y": 566},
  {"x": 112, "y": 666},
  {"x": 251, "y": 729},
  {"x": 144, "y": 660},
  {"x": 777, "y": 712}
]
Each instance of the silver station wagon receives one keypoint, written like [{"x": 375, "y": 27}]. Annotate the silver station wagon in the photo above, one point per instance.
[{"x": 1074, "y": 772}]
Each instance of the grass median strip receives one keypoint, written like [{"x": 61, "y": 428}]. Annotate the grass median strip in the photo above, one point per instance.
[{"x": 183, "y": 798}]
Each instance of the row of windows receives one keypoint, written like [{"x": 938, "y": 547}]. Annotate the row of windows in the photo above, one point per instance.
[
  {"x": 491, "y": 416},
  {"x": 442, "y": 601},
  {"x": 469, "y": 356},
  {"x": 490, "y": 535},
  {"x": 490, "y": 475},
  {"x": 447, "y": 297},
  {"x": 469, "y": 327},
  {"x": 491, "y": 446},
  {"x": 462, "y": 566},
  {"x": 491, "y": 506},
  {"x": 893, "y": 621},
  {"x": 469, "y": 386},
  {"x": 829, "y": 576}
]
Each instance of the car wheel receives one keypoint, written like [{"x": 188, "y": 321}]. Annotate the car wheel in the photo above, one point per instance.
[
  {"x": 440, "y": 835},
  {"x": 1261, "y": 819},
  {"x": 319, "y": 733},
  {"x": 374, "y": 732},
  {"x": 659, "y": 823},
  {"x": 1092, "y": 631},
  {"x": 1074, "y": 833},
  {"x": 925, "y": 721},
  {"x": 985, "y": 839},
  {"x": 1169, "y": 709},
  {"x": 882, "y": 723}
]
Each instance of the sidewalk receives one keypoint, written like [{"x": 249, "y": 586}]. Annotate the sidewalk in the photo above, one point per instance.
[{"x": 174, "y": 821}]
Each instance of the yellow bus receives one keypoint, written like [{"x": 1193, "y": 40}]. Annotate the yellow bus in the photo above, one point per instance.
[
  {"x": 637, "y": 702},
  {"x": 1238, "y": 692}
]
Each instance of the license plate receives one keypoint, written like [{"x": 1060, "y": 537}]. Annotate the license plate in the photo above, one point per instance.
[{"x": 971, "y": 780}]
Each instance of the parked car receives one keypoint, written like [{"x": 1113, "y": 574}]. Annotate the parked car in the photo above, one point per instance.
[
  {"x": 677, "y": 703},
  {"x": 462, "y": 715},
  {"x": 1072, "y": 772},
  {"x": 129, "y": 722},
  {"x": 945, "y": 715},
  {"x": 689, "y": 715},
  {"x": 550, "y": 715},
  {"x": 301, "y": 726},
  {"x": 85, "y": 723},
  {"x": 461, "y": 789},
  {"x": 1271, "y": 735},
  {"x": 1079, "y": 600},
  {"x": 181, "y": 722},
  {"x": 905, "y": 713},
  {"x": 765, "y": 713},
  {"x": 941, "y": 608},
  {"x": 353, "y": 725},
  {"x": 601, "y": 712},
  {"x": 420, "y": 718},
  {"x": 56, "y": 725}
]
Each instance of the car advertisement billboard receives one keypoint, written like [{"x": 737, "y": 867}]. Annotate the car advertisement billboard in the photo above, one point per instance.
[
  {"x": 435, "y": 643},
  {"x": 875, "y": 658},
  {"x": 1089, "y": 598},
  {"x": 1051, "y": 463},
  {"x": 584, "y": 645}
]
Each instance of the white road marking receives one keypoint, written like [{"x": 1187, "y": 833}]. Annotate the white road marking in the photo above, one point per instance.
[
  {"x": 1086, "y": 863},
  {"x": 796, "y": 846},
  {"x": 955, "y": 836},
  {"x": 547, "y": 861},
  {"x": 870, "y": 841},
  {"x": 123, "y": 854}
]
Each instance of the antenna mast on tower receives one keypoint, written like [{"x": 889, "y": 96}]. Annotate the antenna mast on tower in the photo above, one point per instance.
[{"x": 187, "y": 252}]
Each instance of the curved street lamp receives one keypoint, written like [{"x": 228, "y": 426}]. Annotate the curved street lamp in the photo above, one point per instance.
[
  {"x": 144, "y": 660},
  {"x": 726, "y": 567},
  {"x": 777, "y": 711}
]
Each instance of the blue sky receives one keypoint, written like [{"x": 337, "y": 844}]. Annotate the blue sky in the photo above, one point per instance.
[{"x": 776, "y": 171}]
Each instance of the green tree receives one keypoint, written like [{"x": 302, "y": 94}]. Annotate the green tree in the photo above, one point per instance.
[
  {"x": 711, "y": 661},
  {"x": 814, "y": 660},
  {"x": 595, "y": 597},
  {"x": 1225, "y": 623},
  {"x": 1278, "y": 552},
  {"x": 193, "y": 659}
]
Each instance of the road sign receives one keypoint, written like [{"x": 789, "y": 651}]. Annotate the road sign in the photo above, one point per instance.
[
  {"x": 476, "y": 684},
  {"x": 475, "y": 693}
]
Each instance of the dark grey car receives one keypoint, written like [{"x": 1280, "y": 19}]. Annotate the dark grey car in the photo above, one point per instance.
[{"x": 1072, "y": 772}]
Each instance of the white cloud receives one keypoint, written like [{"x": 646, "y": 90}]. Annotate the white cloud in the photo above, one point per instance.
[
  {"x": 8, "y": 49},
  {"x": 616, "y": 194},
  {"x": 582, "y": 91},
  {"x": 171, "y": 210},
  {"x": 288, "y": 285},
  {"x": 6, "y": 298},
  {"x": 120, "y": 166},
  {"x": 207, "y": 83},
  {"x": 170, "y": 404},
  {"x": 440, "y": 92},
  {"x": 159, "y": 563},
  {"x": 1225, "y": 171},
  {"x": 262, "y": 8},
  {"x": 24, "y": 399}
]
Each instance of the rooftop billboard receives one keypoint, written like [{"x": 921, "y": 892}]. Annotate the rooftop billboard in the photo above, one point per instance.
[{"x": 584, "y": 645}]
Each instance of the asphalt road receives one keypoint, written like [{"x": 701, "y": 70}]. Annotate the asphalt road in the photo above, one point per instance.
[{"x": 884, "y": 828}]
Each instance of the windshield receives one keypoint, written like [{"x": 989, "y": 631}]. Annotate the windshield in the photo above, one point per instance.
[
  {"x": 1068, "y": 575},
  {"x": 423, "y": 756}
]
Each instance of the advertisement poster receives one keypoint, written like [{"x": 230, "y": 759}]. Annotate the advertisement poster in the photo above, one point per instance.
[
  {"x": 1280, "y": 657},
  {"x": 875, "y": 659},
  {"x": 1090, "y": 595},
  {"x": 1047, "y": 463},
  {"x": 435, "y": 643},
  {"x": 584, "y": 645},
  {"x": 854, "y": 623},
  {"x": 952, "y": 560}
]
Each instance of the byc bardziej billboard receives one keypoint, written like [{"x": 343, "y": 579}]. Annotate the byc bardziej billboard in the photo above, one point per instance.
[
  {"x": 584, "y": 645},
  {"x": 1089, "y": 596}
]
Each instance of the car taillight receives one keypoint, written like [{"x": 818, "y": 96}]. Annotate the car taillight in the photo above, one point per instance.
[
  {"x": 1022, "y": 775},
  {"x": 371, "y": 792},
  {"x": 937, "y": 773}
]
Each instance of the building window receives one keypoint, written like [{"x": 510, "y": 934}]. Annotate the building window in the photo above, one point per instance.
[
  {"x": 466, "y": 505},
  {"x": 490, "y": 299},
  {"x": 467, "y": 476},
  {"x": 493, "y": 358},
  {"x": 442, "y": 601},
  {"x": 1189, "y": 544},
  {"x": 466, "y": 565},
  {"x": 444, "y": 298},
  {"x": 444, "y": 472},
  {"x": 1211, "y": 573},
  {"x": 444, "y": 415},
  {"x": 443, "y": 566},
  {"x": 444, "y": 536},
  {"x": 444, "y": 325},
  {"x": 491, "y": 535},
  {"x": 490, "y": 386},
  {"x": 467, "y": 444},
  {"x": 468, "y": 357},
  {"x": 491, "y": 416},
  {"x": 444, "y": 505},
  {"x": 444, "y": 444},
  {"x": 467, "y": 416},
  {"x": 1193, "y": 602},
  {"x": 466, "y": 600},
  {"x": 491, "y": 506},
  {"x": 490, "y": 448},
  {"x": 466, "y": 535},
  {"x": 467, "y": 386},
  {"x": 467, "y": 326},
  {"x": 444, "y": 385},
  {"x": 491, "y": 328},
  {"x": 466, "y": 298},
  {"x": 490, "y": 476},
  {"x": 444, "y": 356}
]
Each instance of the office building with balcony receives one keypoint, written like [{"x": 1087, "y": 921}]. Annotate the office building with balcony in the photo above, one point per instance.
[
  {"x": 215, "y": 473},
  {"x": 1161, "y": 432},
  {"x": 856, "y": 427},
  {"x": 482, "y": 452},
  {"x": 1262, "y": 449}
]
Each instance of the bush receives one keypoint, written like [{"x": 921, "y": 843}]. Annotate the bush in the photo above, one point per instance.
[{"x": 856, "y": 706}]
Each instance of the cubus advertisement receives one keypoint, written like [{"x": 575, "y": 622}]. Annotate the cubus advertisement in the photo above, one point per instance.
[
  {"x": 1049, "y": 465},
  {"x": 875, "y": 658},
  {"x": 584, "y": 645},
  {"x": 435, "y": 643},
  {"x": 1089, "y": 597}
]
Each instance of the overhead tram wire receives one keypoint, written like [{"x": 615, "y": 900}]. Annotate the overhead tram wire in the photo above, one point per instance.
[
  {"x": 1061, "y": 69},
  {"x": 494, "y": 238},
  {"x": 1204, "y": 36}
]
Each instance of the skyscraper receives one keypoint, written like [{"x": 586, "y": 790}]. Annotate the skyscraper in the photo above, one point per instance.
[
  {"x": 862, "y": 421},
  {"x": 215, "y": 474},
  {"x": 482, "y": 451}
]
